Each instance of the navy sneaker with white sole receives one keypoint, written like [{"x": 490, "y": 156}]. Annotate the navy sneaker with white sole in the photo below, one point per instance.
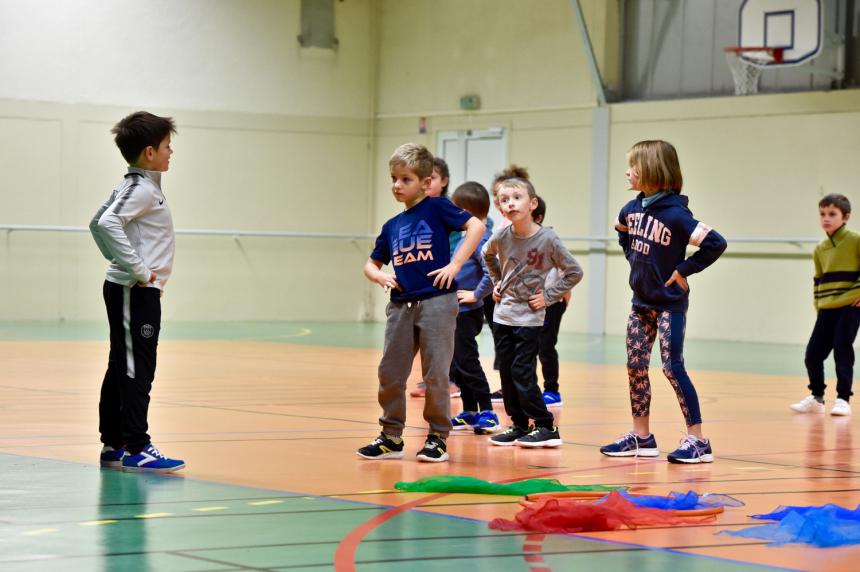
[
  {"x": 692, "y": 450},
  {"x": 464, "y": 421},
  {"x": 632, "y": 445}
]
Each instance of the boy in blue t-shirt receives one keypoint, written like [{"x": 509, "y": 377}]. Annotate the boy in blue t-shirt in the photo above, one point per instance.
[{"x": 423, "y": 310}]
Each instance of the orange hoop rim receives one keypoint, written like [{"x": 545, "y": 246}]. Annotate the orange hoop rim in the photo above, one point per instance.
[{"x": 777, "y": 53}]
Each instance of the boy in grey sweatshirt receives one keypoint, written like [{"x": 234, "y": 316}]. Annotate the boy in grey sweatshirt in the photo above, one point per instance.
[{"x": 519, "y": 257}]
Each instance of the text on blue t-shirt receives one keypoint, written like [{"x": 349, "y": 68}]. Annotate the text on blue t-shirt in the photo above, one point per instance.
[{"x": 415, "y": 242}]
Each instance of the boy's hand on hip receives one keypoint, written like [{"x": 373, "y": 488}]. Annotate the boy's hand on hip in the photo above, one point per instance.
[
  {"x": 678, "y": 279},
  {"x": 445, "y": 275},
  {"x": 387, "y": 281},
  {"x": 152, "y": 278},
  {"x": 466, "y": 296},
  {"x": 537, "y": 301}
]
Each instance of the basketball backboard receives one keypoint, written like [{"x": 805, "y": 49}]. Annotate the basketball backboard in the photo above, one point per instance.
[{"x": 793, "y": 25}]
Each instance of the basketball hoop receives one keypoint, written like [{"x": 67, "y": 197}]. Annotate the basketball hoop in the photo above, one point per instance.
[{"x": 746, "y": 64}]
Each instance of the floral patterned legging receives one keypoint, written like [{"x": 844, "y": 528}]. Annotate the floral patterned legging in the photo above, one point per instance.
[{"x": 643, "y": 324}]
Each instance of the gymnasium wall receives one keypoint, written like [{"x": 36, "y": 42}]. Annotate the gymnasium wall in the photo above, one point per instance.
[
  {"x": 271, "y": 137},
  {"x": 753, "y": 166},
  {"x": 274, "y": 137}
]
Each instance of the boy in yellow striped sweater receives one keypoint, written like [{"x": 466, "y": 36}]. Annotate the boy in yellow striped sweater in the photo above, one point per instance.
[{"x": 837, "y": 300}]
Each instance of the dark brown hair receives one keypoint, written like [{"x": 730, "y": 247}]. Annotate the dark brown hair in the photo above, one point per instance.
[
  {"x": 472, "y": 197},
  {"x": 841, "y": 202},
  {"x": 140, "y": 130}
]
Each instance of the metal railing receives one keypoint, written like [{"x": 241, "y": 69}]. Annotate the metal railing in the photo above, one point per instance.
[{"x": 235, "y": 233}]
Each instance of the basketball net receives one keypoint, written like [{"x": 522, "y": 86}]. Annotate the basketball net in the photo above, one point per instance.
[{"x": 746, "y": 65}]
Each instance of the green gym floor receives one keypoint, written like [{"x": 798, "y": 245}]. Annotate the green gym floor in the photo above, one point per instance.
[{"x": 267, "y": 416}]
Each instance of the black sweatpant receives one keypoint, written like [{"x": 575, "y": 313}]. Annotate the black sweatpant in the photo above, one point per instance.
[
  {"x": 517, "y": 348},
  {"x": 835, "y": 330},
  {"x": 466, "y": 370},
  {"x": 547, "y": 341},
  {"x": 489, "y": 308},
  {"x": 134, "y": 316}
]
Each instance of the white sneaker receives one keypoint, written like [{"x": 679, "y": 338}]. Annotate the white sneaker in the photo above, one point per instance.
[
  {"x": 840, "y": 407},
  {"x": 812, "y": 405}
]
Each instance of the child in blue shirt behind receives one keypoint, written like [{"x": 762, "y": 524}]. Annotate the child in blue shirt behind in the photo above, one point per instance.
[{"x": 475, "y": 284}]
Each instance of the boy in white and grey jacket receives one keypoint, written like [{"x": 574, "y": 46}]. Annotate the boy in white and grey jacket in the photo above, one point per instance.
[{"x": 134, "y": 231}]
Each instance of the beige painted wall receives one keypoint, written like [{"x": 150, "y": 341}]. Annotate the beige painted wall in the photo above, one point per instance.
[
  {"x": 229, "y": 171},
  {"x": 753, "y": 167},
  {"x": 516, "y": 54},
  {"x": 213, "y": 55},
  {"x": 271, "y": 137},
  {"x": 275, "y": 138}
]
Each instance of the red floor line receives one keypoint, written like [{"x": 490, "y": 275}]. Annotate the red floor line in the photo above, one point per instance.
[{"x": 344, "y": 556}]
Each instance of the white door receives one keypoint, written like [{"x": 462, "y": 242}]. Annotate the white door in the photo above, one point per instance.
[{"x": 474, "y": 156}]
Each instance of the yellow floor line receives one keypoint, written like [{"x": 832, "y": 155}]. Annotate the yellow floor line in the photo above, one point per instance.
[
  {"x": 39, "y": 531},
  {"x": 154, "y": 515}
]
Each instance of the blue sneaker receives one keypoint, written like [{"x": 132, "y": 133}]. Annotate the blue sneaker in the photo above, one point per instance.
[
  {"x": 487, "y": 423},
  {"x": 552, "y": 399},
  {"x": 112, "y": 458},
  {"x": 151, "y": 460},
  {"x": 692, "y": 450},
  {"x": 464, "y": 420},
  {"x": 632, "y": 445}
]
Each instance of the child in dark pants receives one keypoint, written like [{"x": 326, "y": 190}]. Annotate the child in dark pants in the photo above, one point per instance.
[
  {"x": 134, "y": 231},
  {"x": 837, "y": 299},
  {"x": 519, "y": 257},
  {"x": 475, "y": 284},
  {"x": 547, "y": 354}
]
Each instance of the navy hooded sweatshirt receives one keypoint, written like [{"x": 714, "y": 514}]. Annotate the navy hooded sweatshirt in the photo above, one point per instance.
[{"x": 655, "y": 242}]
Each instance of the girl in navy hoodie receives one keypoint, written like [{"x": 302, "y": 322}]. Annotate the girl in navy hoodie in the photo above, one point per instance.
[{"x": 654, "y": 230}]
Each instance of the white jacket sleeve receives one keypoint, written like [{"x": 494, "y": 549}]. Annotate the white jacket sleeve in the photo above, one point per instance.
[
  {"x": 94, "y": 229},
  {"x": 129, "y": 204}
]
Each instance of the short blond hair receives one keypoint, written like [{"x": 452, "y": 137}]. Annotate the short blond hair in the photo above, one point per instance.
[
  {"x": 657, "y": 165},
  {"x": 518, "y": 183},
  {"x": 414, "y": 157}
]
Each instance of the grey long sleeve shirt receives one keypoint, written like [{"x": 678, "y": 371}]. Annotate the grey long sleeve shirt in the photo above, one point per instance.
[{"x": 519, "y": 267}]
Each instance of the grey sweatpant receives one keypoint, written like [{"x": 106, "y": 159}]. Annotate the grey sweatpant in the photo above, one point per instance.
[{"x": 426, "y": 326}]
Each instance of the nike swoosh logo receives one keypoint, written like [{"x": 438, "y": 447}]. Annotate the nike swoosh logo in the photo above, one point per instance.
[{"x": 161, "y": 202}]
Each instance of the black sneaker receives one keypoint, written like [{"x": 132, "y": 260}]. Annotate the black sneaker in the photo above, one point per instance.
[
  {"x": 434, "y": 451},
  {"x": 382, "y": 448},
  {"x": 540, "y": 437},
  {"x": 496, "y": 396},
  {"x": 509, "y": 437}
]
